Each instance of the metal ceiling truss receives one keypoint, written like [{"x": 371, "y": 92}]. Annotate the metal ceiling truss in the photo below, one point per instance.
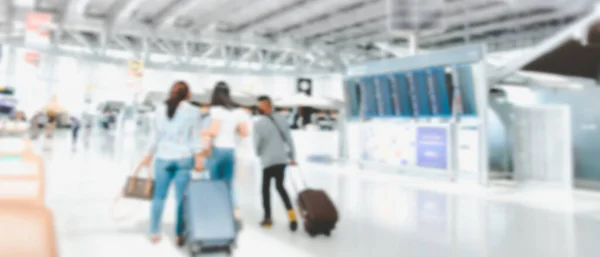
[
  {"x": 506, "y": 25},
  {"x": 223, "y": 9},
  {"x": 462, "y": 23},
  {"x": 114, "y": 33},
  {"x": 261, "y": 20},
  {"x": 325, "y": 39},
  {"x": 375, "y": 9},
  {"x": 193, "y": 66}
]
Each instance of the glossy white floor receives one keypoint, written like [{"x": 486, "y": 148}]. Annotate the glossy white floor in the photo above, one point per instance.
[{"x": 381, "y": 215}]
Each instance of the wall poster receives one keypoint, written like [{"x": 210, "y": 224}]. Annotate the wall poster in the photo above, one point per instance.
[
  {"x": 432, "y": 147},
  {"x": 388, "y": 142}
]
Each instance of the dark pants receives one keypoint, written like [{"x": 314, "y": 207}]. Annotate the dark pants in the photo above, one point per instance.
[
  {"x": 75, "y": 131},
  {"x": 221, "y": 165},
  {"x": 277, "y": 172}
]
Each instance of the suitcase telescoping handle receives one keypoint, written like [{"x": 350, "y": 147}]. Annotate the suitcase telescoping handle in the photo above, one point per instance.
[
  {"x": 302, "y": 178},
  {"x": 202, "y": 175}
]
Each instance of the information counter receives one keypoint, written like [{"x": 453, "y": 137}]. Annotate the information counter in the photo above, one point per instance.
[{"x": 315, "y": 144}]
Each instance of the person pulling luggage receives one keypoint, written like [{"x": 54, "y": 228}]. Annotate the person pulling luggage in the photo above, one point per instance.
[
  {"x": 75, "y": 126},
  {"x": 225, "y": 125},
  {"x": 275, "y": 147},
  {"x": 176, "y": 151}
]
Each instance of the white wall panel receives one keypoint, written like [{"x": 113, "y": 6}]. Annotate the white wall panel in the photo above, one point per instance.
[
  {"x": 70, "y": 83},
  {"x": 31, "y": 91},
  {"x": 329, "y": 86}
]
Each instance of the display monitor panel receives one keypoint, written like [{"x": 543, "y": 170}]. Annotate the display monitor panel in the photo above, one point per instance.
[
  {"x": 369, "y": 96},
  {"x": 437, "y": 92},
  {"x": 384, "y": 96},
  {"x": 450, "y": 87},
  {"x": 419, "y": 85},
  {"x": 466, "y": 89},
  {"x": 404, "y": 102}
]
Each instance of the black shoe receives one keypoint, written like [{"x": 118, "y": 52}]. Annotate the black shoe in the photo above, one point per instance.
[
  {"x": 293, "y": 226},
  {"x": 266, "y": 223}
]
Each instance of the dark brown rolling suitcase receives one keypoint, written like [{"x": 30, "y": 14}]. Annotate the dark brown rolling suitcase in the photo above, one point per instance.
[
  {"x": 317, "y": 211},
  {"x": 316, "y": 208}
]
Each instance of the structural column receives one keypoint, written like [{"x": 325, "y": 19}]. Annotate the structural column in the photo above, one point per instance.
[{"x": 413, "y": 43}]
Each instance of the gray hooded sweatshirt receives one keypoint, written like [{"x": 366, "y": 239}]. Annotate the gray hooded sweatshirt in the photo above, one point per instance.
[{"x": 269, "y": 144}]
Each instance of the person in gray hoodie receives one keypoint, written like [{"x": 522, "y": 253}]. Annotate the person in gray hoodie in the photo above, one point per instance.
[{"x": 275, "y": 147}]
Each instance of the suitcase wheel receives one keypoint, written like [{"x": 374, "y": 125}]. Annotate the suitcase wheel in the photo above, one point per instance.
[
  {"x": 327, "y": 233},
  {"x": 195, "y": 250}
]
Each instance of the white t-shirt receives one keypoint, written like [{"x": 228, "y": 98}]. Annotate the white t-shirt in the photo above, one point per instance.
[
  {"x": 229, "y": 120},
  {"x": 245, "y": 118}
]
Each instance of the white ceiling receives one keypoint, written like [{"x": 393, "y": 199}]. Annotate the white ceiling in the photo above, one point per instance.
[{"x": 289, "y": 32}]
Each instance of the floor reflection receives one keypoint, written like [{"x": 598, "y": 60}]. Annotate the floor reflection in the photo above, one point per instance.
[{"x": 379, "y": 217}]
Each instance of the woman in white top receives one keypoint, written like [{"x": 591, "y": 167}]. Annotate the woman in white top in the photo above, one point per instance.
[
  {"x": 244, "y": 144},
  {"x": 225, "y": 126}
]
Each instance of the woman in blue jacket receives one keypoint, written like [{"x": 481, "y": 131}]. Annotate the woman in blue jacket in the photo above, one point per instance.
[{"x": 176, "y": 151}]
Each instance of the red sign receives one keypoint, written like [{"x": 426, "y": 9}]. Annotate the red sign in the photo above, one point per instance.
[
  {"x": 36, "y": 27},
  {"x": 32, "y": 58}
]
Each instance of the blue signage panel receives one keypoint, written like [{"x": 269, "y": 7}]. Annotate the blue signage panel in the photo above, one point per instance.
[
  {"x": 432, "y": 147},
  {"x": 420, "y": 84},
  {"x": 384, "y": 93},
  {"x": 405, "y": 103},
  {"x": 413, "y": 94},
  {"x": 438, "y": 92},
  {"x": 369, "y": 96},
  {"x": 431, "y": 94},
  {"x": 450, "y": 89},
  {"x": 466, "y": 89},
  {"x": 398, "y": 101}
]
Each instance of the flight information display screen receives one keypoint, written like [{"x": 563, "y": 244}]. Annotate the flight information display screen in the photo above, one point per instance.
[
  {"x": 403, "y": 101},
  {"x": 431, "y": 92},
  {"x": 438, "y": 92},
  {"x": 369, "y": 97},
  {"x": 419, "y": 83},
  {"x": 384, "y": 96},
  {"x": 464, "y": 79}
]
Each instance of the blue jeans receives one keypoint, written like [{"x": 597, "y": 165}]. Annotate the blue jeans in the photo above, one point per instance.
[
  {"x": 165, "y": 171},
  {"x": 221, "y": 165}
]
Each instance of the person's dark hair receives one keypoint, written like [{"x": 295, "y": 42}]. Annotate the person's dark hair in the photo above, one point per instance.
[
  {"x": 221, "y": 96},
  {"x": 179, "y": 92},
  {"x": 264, "y": 98}
]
